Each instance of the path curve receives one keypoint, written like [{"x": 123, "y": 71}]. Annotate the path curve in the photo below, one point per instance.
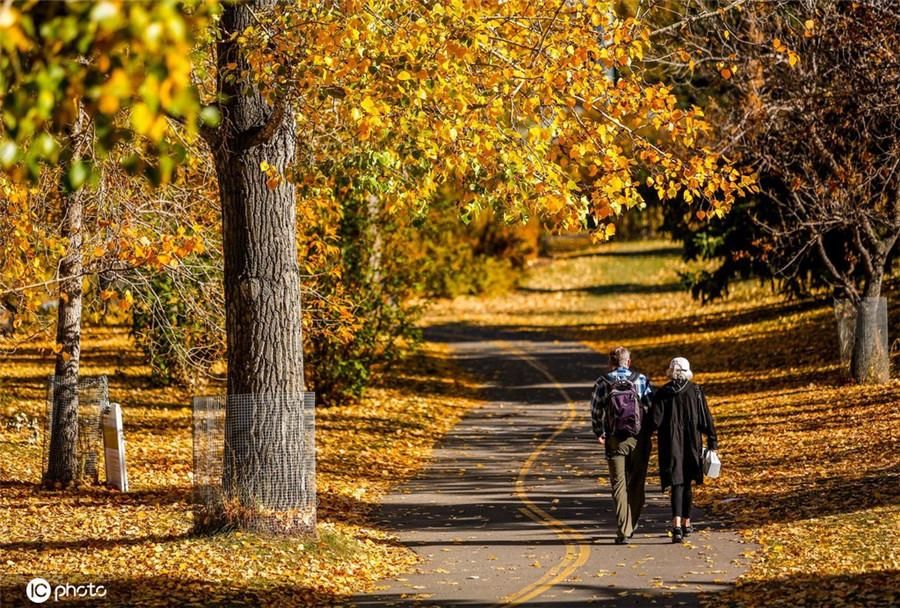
[{"x": 514, "y": 509}]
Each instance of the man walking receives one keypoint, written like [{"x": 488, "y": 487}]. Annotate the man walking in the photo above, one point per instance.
[{"x": 619, "y": 406}]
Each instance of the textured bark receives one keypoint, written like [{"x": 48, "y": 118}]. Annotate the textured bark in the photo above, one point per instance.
[
  {"x": 262, "y": 288},
  {"x": 63, "y": 467},
  {"x": 373, "y": 208}
]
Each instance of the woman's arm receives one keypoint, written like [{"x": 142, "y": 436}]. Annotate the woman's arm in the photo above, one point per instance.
[
  {"x": 657, "y": 410},
  {"x": 707, "y": 426}
]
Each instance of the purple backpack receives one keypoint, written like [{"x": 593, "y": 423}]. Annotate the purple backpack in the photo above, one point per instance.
[{"x": 625, "y": 410}]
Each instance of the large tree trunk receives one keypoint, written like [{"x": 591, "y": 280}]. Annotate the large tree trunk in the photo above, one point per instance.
[
  {"x": 63, "y": 468},
  {"x": 62, "y": 465},
  {"x": 263, "y": 444},
  {"x": 871, "y": 360}
]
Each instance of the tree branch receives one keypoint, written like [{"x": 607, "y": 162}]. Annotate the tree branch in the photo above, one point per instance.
[
  {"x": 864, "y": 253},
  {"x": 540, "y": 45},
  {"x": 689, "y": 20},
  {"x": 839, "y": 278},
  {"x": 260, "y": 134}
]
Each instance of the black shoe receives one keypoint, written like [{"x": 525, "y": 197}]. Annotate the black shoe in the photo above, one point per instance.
[
  {"x": 687, "y": 530},
  {"x": 621, "y": 540},
  {"x": 677, "y": 535}
]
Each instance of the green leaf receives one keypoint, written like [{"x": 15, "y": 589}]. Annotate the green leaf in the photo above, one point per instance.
[
  {"x": 45, "y": 146},
  {"x": 77, "y": 174},
  {"x": 210, "y": 116}
]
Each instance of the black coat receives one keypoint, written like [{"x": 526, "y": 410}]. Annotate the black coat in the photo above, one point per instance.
[{"x": 681, "y": 414}]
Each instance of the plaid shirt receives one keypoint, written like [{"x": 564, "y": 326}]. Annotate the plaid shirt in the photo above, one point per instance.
[{"x": 599, "y": 423}]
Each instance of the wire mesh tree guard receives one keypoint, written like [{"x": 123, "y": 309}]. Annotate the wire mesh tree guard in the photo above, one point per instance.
[
  {"x": 863, "y": 338},
  {"x": 255, "y": 463},
  {"x": 91, "y": 397}
]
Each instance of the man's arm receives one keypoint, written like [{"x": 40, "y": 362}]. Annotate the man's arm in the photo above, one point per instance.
[
  {"x": 598, "y": 411},
  {"x": 646, "y": 391}
]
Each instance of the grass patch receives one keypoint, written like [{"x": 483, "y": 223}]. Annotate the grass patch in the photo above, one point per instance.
[{"x": 330, "y": 543}]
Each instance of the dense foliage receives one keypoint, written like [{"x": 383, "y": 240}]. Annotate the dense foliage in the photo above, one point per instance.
[{"x": 807, "y": 93}]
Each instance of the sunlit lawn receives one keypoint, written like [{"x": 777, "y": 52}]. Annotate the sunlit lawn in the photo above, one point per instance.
[
  {"x": 811, "y": 469},
  {"x": 140, "y": 544}
]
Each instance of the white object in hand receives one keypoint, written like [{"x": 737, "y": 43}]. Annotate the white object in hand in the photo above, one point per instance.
[{"x": 711, "y": 463}]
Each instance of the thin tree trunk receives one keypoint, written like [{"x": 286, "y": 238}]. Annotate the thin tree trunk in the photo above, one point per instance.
[
  {"x": 264, "y": 446},
  {"x": 63, "y": 468},
  {"x": 376, "y": 242}
]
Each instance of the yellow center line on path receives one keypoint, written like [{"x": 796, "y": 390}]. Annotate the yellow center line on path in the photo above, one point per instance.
[{"x": 577, "y": 551}]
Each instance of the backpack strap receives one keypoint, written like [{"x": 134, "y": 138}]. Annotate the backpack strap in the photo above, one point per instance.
[
  {"x": 635, "y": 375},
  {"x": 610, "y": 382}
]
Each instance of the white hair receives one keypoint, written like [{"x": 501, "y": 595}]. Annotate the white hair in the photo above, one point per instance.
[{"x": 679, "y": 369}]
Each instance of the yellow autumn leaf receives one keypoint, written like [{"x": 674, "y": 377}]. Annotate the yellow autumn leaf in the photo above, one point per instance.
[
  {"x": 141, "y": 118},
  {"x": 369, "y": 106},
  {"x": 118, "y": 86}
]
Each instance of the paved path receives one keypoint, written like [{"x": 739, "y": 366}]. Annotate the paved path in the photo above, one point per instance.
[{"x": 515, "y": 507}]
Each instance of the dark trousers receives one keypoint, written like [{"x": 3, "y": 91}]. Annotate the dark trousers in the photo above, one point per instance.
[
  {"x": 681, "y": 500},
  {"x": 628, "y": 459}
]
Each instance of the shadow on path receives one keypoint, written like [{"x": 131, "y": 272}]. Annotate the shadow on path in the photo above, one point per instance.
[{"x": 531, "y": 443}]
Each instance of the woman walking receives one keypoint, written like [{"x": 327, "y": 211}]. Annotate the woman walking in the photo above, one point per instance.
[{"x": 681, "y": 414}]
